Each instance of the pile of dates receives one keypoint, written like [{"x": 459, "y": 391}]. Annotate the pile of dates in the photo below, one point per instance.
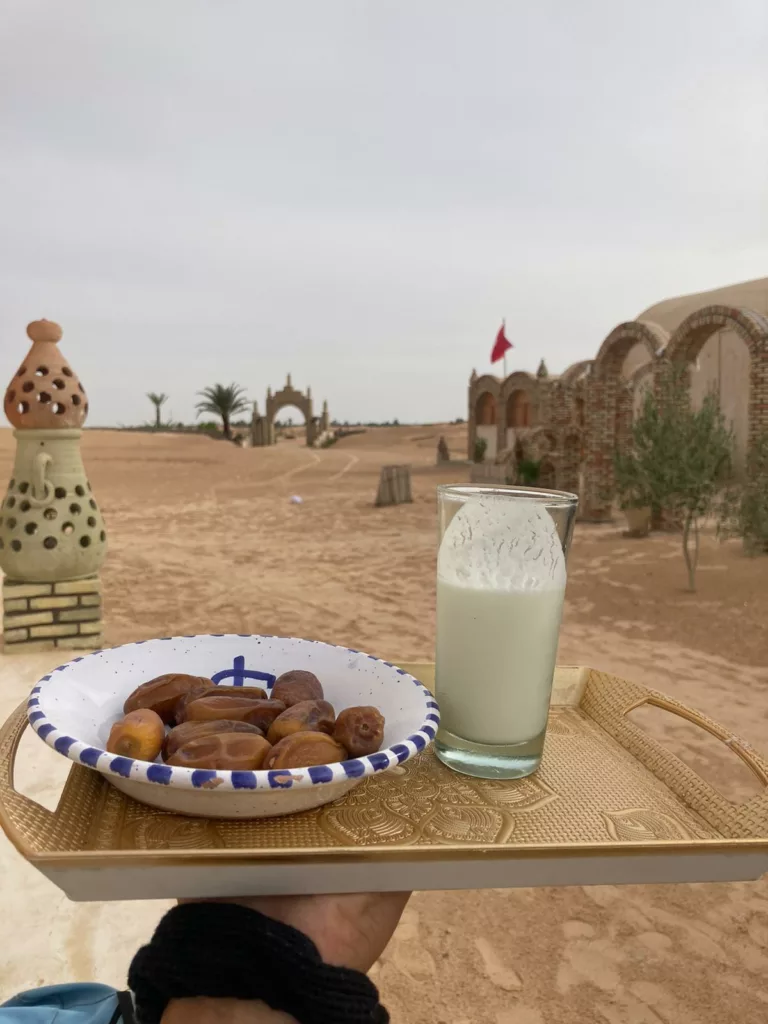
[{"x": 195, "y": 724}]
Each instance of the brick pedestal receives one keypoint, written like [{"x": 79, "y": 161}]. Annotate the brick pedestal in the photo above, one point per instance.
[{"x": 43, "y": 616}]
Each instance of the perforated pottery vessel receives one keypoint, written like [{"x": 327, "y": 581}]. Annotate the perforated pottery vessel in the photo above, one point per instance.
[
  {"x": 51, "y": 527},
  {"x": 74, "y": 707}
]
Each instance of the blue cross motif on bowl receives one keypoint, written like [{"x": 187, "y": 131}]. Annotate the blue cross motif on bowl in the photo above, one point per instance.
[{"x": 239, "y": 673}]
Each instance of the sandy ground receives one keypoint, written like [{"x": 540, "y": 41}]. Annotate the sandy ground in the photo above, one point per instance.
[{"x": 204, "y": 538}]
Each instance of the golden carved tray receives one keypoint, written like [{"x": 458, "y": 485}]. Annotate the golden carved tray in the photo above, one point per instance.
[{"x": 608, "y": 805}]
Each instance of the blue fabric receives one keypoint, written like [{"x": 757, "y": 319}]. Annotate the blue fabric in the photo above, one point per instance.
[{"x": 61, "y": 1004}]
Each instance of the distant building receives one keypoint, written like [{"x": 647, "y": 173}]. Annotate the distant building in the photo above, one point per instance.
[{"x": 572, "y": 424}]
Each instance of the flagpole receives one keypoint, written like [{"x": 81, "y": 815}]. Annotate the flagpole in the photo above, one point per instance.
[{"x": 503, "y": 325}]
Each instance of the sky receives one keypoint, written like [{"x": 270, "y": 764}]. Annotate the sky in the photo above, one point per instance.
[{"x": 358, "y": 192}]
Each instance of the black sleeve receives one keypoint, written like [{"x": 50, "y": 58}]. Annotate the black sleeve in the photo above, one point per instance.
[{"x": 226, "y": 951}]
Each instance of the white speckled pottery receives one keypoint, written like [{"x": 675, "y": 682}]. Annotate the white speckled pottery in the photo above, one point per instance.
[{"x": 74, "y": 707}]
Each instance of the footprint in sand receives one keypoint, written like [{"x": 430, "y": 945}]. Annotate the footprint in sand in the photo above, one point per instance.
[
  {"x": 578, "y": 930},
  {"x": 406, "y": 953},
  {"x": 586, "y": 959},
  {"x": 662, "y": 1002},
  {"x": 655, "y": 942},
  {"x": 758, "y": 932},
  {"x": 495, "y": 971},
  {"x": 520, "y": 1015}
]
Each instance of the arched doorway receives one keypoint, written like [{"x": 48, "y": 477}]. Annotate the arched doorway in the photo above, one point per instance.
[
  {"x": 519, "y": 409},
  {"x": 289, "y": 423},
  {"x": 486, "y": 410},
  {"x": 485, "y": 420}
]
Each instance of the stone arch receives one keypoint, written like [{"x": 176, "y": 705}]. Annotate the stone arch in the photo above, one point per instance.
[
  {"x": 262, "y": 427},
  {"x": 520, "y": 380},
  {"x": 606, "y": 407},
  {"x": 622, "y": 339},
  {"x": 691, "y": 335},
  {"x": 694, "y": 332},
  {"x": 575, "y": 371}
]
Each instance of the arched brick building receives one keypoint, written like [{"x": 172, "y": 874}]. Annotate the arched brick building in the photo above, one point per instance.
[{"x": 573, "y": 423}]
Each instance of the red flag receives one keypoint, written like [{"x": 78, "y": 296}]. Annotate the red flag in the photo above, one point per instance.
[{"x": 501, "y": 346}]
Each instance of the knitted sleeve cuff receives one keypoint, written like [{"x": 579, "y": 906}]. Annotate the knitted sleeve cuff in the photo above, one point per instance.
[{"x": 226, "y": 951}]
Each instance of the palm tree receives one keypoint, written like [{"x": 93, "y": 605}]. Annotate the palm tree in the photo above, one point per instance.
[
  {"x": 224, "y": 401},
  {"x": 157, "y": 400}
]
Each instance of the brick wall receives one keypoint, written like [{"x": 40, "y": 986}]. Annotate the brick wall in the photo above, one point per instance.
[
  {"x": 43, "y": 616},
  {"x": 589, "y": 409}
]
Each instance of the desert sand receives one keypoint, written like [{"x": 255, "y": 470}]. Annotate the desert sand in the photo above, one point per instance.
[{"x": 204, "y": 539}]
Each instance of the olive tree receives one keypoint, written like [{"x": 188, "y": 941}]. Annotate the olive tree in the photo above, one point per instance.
[{"x": 679, "y": 457}]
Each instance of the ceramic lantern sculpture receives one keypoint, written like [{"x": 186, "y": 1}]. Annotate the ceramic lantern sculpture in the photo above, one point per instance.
[{"x": 52, "y": 535}]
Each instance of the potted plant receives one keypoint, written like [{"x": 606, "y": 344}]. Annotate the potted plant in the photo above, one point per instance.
[
  {"x": 634, "y": 491},
  {"x": 481, "y": 446}
]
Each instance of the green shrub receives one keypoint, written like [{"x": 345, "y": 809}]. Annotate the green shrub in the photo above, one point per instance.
[
  {"x": 744, "y": 512},
  {"x": 528, "y": 471}
]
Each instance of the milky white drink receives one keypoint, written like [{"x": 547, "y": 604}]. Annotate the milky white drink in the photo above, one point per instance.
[{"x": 500, "y": 588}]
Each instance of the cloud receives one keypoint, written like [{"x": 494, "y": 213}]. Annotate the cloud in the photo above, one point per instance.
[{"x": 205, "y": 191}]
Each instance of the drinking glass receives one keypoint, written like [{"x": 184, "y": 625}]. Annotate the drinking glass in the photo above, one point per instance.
[{"x": 500, "y": 587}]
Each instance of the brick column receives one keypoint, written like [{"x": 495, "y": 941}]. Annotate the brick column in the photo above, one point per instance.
[
  {"x": 758, "y": 391},
  {"x": 598, "y": 475},
  {"x": 44, "y": 616}
]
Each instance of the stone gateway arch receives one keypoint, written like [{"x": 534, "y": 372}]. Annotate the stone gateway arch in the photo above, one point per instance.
[{"x": 263, "y": 427}]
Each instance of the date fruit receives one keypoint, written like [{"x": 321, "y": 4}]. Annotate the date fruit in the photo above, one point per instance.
[
  {"x": 361, "y": 730},
  {"x": 295, "y": 686},
  {"x": 139, "y": 735},
  {"x": 306, "y": 716},
  {"x": 231, "y": 751},
  {"x": 194, "y": 730},
  {"x": 163, "y": 694},
  {"x": 303, "y": 749},
  {"x": 212, "y": 708},
  {"x": 246, "y": 692}
]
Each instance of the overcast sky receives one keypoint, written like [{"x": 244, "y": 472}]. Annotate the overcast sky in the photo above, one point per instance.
[{"x": 357, "y": 192}]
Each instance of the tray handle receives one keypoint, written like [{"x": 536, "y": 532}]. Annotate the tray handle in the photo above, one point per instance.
[
  {"x": 609, "y": 700},
  {"x": 23, "y": 821}
]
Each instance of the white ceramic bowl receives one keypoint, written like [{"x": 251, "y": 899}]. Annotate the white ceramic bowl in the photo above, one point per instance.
[{"x": 74, "y": 707}]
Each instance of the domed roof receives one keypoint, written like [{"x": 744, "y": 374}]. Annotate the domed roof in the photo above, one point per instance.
[{"x": 670, "y": 313}]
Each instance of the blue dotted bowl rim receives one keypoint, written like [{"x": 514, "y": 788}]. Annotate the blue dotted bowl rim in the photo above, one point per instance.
[{"x": 229, "y": 781}]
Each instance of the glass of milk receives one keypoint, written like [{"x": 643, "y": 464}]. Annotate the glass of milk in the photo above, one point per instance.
[{"x": 500, "y": 589}]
